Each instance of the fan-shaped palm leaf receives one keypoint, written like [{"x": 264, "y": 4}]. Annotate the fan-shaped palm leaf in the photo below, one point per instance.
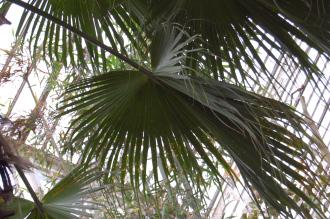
[
  {"x": 127, "y": 117},
  {"x": 67, "y": 199}
]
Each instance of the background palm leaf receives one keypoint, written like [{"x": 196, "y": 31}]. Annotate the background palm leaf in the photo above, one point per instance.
[
  {"x": 60, "y": 44},
  {"x": 68, "y": 199}
]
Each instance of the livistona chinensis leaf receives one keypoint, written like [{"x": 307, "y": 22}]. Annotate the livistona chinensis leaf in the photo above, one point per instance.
[{"x": 131, "y": 123}]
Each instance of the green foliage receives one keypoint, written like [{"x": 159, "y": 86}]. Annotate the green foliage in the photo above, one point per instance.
[
  {"x": 232, "y": 32},
  {"x": 67, "y": 199},
  {"x": 178, "y": 108},
  {"x": 127, "y": 118},
  {"x": 21, "y": 206}
]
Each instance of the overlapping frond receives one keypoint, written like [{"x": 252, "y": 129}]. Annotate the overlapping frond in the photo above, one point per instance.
[{"x": 236, "y": 35}]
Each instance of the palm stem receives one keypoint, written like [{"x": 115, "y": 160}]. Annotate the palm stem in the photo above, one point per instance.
[
  {"x": 30, "y": 189},
  {"x": 4, "y": 142}
]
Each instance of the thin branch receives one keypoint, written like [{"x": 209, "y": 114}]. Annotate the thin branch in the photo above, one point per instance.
[
  {"x": 37, "y": 113},
  {"x": 11, "y": 55},
  {"x": 30, "y": 189},
  {"x": 19, "y": 91},
  {"x": 55, "y": 161},
  {"x": 13, "y": 51}
]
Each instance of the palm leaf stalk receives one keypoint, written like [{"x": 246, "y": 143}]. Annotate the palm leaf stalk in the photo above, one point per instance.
[{"x": 9, "y": 158}]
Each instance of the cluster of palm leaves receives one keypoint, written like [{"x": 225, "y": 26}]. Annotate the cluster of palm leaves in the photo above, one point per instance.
[{"x": 182, "y": 102}]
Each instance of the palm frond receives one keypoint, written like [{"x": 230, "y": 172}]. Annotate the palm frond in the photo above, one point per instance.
[
  {"x": 128, "y": 118},
  {"x": 239, "y": 33},
  {"x": 236, "y": 35},
  {"x": 61, "y": 44},
  {"x": 67, "y": 199},
  {"x": 20, "y": 206},
  {"x": 312, "y": 17}
]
